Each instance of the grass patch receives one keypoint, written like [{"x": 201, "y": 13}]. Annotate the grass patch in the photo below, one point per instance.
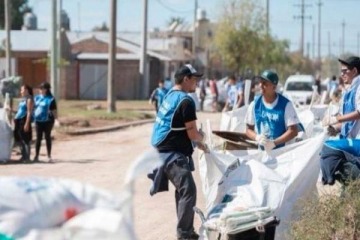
[
  {"x": 125, "y": 110},
  {"x": 330, "y": 217}
]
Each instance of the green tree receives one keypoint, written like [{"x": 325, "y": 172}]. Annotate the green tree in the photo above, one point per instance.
[
  {"x": 242, "y": 41},
  {"x": 18, "y": 9}
]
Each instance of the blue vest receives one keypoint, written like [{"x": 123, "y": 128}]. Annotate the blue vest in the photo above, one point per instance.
[
  {"x": 22, "y": 109},
  {"x": 42, "y": 108},
  {"x": 271, "y": 122},
  {"x": 164, "y": 118},
  {"x": 232, "y": 95},
  {"x": 160, "y": 95},
  {"x": 348, "y": 107},
  {"x": 351, "y": 146}
]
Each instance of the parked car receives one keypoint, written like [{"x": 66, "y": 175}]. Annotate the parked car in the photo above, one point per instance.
[{"x": 299, "y": 88}]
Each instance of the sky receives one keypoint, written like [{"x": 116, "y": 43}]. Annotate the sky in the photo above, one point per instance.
[{"x": 86, "y": 14}]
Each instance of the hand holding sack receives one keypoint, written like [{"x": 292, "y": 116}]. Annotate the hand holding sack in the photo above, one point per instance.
[{"x": 329, "y": 121}]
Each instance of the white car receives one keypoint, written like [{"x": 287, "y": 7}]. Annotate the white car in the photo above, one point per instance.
[{"x": 299, "y": 88}]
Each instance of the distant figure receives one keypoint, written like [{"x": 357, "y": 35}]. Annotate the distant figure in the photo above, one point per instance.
[
  {"x": 45, "y": 115},
  {"x": 233, "y": 95},
  {"x": 333, "y": 85},
  {"x": 202, "y": 86},
  {"x": 22, "y": 119},
  {"x": 214, "y": 94},
  {"x": 318, "y": 83},
  {"x": 158, "y": 95}
]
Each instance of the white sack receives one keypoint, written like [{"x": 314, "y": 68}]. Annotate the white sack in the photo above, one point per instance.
[
  {"x": 277, "y": 182},
  {"x": 6, "y": 137}
]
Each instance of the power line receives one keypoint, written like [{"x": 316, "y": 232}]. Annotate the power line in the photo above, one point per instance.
[{"x": 172, "y": 9}]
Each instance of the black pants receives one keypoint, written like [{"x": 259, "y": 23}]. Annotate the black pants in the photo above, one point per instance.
[
  {"x": 23, "y": 138},
  {"x": 179, "y": 173},
  {"x": 43, "y": 128}
]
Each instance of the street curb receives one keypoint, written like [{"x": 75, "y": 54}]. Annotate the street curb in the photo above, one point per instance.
[{"x": 76, "y": 132}]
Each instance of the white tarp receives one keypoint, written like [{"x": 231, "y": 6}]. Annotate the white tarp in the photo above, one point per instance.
[
  {"x": 34, "y": 208},
  {"x": 259, "y": 185},
  {"x": 6, "y": 136}
]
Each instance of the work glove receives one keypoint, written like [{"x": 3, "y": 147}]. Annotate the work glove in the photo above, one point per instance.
[
  {"x": 202, "y": 133},
  {"x": 260, "y": 139},
  {"x": 331, "y": 131},
  {"x": 329, "y": 121},
  {"x": 269, "y": 145}
]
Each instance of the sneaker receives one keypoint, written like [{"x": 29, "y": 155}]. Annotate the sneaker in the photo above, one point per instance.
[
  {"x": 192, "y": 236},
  {"x": 50, "y": 159},
  {"x": 36, "y": 159}
]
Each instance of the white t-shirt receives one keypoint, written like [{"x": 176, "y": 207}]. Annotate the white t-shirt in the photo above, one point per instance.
[{"x": 290, "y": 115}]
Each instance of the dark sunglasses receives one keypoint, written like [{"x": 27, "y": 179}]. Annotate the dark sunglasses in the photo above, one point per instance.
[{"x": 345, "y": 70}]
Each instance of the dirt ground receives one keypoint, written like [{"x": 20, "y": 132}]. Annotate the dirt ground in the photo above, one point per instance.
[{"x": 102, "y": 160}]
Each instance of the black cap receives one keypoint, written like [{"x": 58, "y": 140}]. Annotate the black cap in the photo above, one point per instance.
[
  {"x": 187, "y": 70},
  {"x": 352, "y": 62},
  {"x": 45, "y": 85}
]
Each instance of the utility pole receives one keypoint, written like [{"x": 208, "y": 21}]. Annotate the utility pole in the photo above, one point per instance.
[
  {"x": 358, "y": 43},
  {"x": 8, "y": 37},
  {"x": 343, "y": 24},
  {"x": 319, "y": 34},
  {"x": 59, "y": 55},
  {"x": 313, "y": 41},
  {"x": 329, "y": 43},
  {"x": 194, "y": 42},
  {"x": 143, "y": 59},
  {"x": 267, "y": 17},
  {"x": 302, "y": 17},
  {"x": 53, "y": 59},
  {"x": 111, "y": 108}
]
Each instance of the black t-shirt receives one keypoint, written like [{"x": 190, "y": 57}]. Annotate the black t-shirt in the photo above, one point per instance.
[{"x": 179, "y": 140}]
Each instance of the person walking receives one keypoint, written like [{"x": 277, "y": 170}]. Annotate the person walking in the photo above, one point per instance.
[
  {"x": 158, "y": 95},
  {"x": 174, "y": 135},
  {"x": 214, "y": 94},
  {"x": 234, "y": 95},
  {"x": 271, "y": 119},
  {"x": 44, "y": 115},
  {"x": 22, "y": 120}
]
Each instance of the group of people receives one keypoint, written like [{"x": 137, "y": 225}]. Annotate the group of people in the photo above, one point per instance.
[
  {"x": 175, "y": 134},
  {"x": 40, "y": 109},
  {"x": 271, "y": 121}
]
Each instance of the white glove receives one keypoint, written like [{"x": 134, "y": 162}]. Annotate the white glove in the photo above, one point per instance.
[
  {"x": 269, "y": 145},
  {"x": 260, "y": 139},
  {"x": 56, "y": 123},
  {"x": 202, "y": 133},
  {"x": 329, "y": 121}
]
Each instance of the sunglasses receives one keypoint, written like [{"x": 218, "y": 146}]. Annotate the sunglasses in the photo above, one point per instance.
[{"x": 344, "y": 71}]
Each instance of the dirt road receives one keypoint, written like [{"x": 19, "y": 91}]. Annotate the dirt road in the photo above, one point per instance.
[{"x": 102, "y": 160}]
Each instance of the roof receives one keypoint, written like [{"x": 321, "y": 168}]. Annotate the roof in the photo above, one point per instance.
[
  {"x": 27, "y": 40},
  {"x": 105, "y": 56}
]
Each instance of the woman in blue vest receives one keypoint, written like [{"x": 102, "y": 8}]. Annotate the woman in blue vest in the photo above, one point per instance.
[
  {"x": 44, "y": 116},
  {"x": 22, "y": 120},
  {"x": 271, "y": 119},
  {"x": 174, "y": 134},
  {"x": 346, "y": 123}
]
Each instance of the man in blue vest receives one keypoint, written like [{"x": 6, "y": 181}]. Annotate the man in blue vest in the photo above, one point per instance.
[
  {"x": 271, "y": 119},
  {"x": 347, "y": 121},
  {"x": 174, "y": 135},
  {"x": 158, "y": 95},
  {"x": 335, "y": 161}
]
